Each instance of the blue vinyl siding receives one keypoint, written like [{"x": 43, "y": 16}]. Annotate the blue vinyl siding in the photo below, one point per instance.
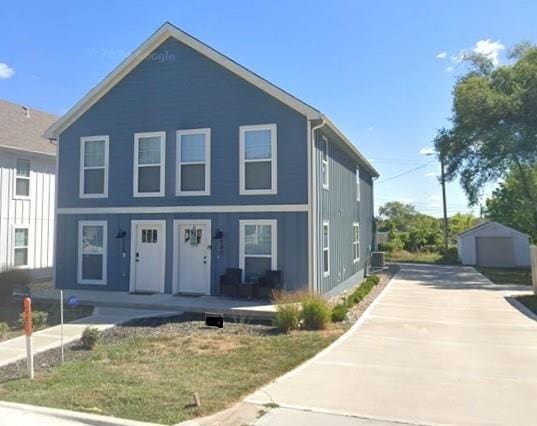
[
  {"x": 292, "y": 247},
  {"x": 338, "y": 206},
  {"x": 184, "y": 90}
]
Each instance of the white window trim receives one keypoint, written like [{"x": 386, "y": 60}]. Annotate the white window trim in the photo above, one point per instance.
[
  {"x": 274, "y": 240},
  {"x": 327, "y": 224},
  {"x": 273, "y": 160},
  {"x": 358, "y": 183},
  {"x": 355, "y": 243},
  {"x": 83, "y": 141},
  {"x": 27, "y": 247},
  {"x": 137, "y": 137},
  {"x": 81, "y": 225},
  {"x": 326, "y": 185},
  {"x": 28, "y": 178},
  {"x": 207, "y": 162}
]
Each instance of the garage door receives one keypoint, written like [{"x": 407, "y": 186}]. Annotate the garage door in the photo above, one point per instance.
[{"x": 495, "y": 251}]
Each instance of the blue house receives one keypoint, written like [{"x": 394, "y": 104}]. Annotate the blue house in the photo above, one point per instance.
[{"x": 182, "y": 163}]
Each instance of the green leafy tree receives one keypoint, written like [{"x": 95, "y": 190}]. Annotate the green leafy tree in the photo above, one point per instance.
[
  {"x": 460, "y": 222},
  {"x": 396, "y": 216},
  {"x": 494, "y": 126},
  {"x": 509, "y": 206}
]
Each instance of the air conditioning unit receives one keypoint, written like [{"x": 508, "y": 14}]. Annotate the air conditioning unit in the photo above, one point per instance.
[{"x": 377, "y": 259}]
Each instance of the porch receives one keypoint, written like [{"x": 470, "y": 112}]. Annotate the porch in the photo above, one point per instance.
[{"x": 229, "y": 307}]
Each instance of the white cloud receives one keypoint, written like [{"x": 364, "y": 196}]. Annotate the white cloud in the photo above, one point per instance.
[
  {"x": 430, "y": 174},
  {"x": 6, "y": 71},
  {"x": 490, "y": 49},
  {"x": 442, "y": 55},
  {"x": 450, "y": 69},
  {"x": 427, "y": 150}
]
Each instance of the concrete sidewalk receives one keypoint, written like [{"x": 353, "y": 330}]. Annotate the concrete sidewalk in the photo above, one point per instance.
[
  {"x": 15, "y": 349},
  {"x": 441, "y": 345}
]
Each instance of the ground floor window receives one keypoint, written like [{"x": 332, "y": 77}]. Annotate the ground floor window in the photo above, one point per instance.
[
  {"x": 92, "y": 237},
  {"x": 20, "y": 254},
  {"x": 355, "y": 241},
  {"x": 326, "y": 249},
  {"x": 258, "y": 248}
]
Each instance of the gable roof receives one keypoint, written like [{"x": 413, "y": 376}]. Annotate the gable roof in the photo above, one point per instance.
[
  {"x": 163, "y": 33},
  {"x": 488, "y": 223},
  {"x": 21, "y": 132}
]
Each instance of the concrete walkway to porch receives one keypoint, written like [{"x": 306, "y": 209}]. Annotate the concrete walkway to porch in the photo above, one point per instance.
[
  {"x": 13, "y": 350},
  {"x": 234, "y": 308}
]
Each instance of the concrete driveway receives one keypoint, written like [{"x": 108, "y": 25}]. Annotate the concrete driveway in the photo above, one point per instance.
[{"x": 441, "y": 345}]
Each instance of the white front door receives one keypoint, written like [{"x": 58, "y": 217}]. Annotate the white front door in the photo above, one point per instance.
[
  {"x": 148, "y": 257},
  {"x": 194, "y": 257}
]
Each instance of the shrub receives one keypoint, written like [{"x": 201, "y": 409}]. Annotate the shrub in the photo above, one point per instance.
[
  {"x": 315, "y": 313},
  {"x": 4, "y": 328},
  {"x": 90, "y": 337},
  {"x": 8, "y": 280},
  {"x": 362, "y": 291},
  {"x": 39, "y": 319},
  {"x": 375, "y": 279},
  {"x": 339, "y": 312},
  {"x": 287, "y": 317}
]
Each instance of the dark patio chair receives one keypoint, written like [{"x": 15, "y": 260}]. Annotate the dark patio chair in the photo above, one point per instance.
[
  {"x": 230, "y": 281},
  {"x": 272, "y": 280}
]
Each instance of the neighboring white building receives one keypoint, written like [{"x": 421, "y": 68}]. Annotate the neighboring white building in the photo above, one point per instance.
[
  {"x": 27, "y": 190},
  {"x": 494, "y": 244}
]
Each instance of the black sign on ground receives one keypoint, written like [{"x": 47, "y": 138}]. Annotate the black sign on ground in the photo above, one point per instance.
[{"x": 214, "y": 320}]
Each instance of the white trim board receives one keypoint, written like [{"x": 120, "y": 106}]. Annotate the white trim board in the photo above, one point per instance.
[
  {"x": 247, "y": 208},
  {"x": 166, "y": 31}
]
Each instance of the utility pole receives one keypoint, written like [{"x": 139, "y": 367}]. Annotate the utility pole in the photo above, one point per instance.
[{"x": 443, "y": 182}]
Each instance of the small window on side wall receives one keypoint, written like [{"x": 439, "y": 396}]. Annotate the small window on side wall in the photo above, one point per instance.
[
  {"x": 258, "y": 159},
  {"x": 357, "y": 184},
  {"x": 94, "y": 167},
  {"x": 22, "y": 181},
  {"x": 193, "y": 175},
  {"x": 326, "y": 249},
  {"x": 356, "y": 241},
  {"x": 324, "y": 162}
]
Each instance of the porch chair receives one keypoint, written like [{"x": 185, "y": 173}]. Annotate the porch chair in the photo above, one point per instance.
[
  {"x": 230, "y": 281},
  {"x": 272, "y": 280}
]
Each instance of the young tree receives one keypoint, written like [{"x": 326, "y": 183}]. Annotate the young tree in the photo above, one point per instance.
[
  {"x": 494, "y": 126},
  {"x": 396, "y": 215}
]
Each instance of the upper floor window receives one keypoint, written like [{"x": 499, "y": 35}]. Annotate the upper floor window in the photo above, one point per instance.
[
  {"x": 258, "y": 159},
  {"x": 94, "y": 167},
  {"x": 324, "y": 162},
  {"x": 193, "y": 175},
  {"x": 326, "y": 249},
  {"x": 258, "y": 246},
  {"x": 355, "y": 241},
  {"x": 20, "y": 247},
  {"x": 357, "y": 184},
  {"x": 149, "y": 155},
  {"x": 22, "y": 181}
]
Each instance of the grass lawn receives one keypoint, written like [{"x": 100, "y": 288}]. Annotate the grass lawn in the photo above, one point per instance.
[
  {"x": 151, "y": 373},
  {"x": 421, "y": 257},
  {"x": 507, "y": 275},
  {"x": 529, "y": 301}
]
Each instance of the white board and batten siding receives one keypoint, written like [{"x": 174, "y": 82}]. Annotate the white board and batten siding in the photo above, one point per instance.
[
  {"x": 493, "y": 244},
  {"x": 35, "y": 212}
]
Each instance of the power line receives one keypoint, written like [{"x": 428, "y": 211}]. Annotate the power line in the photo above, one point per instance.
[{"x": 406, "y": 172}]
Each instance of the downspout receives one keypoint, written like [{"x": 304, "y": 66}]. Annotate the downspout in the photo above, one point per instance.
[{"x": 314, "y": 208}]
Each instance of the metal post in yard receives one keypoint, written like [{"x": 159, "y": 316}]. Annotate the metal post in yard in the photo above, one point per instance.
[
  {"x": 443, "y": 178},
  {"x": 28, "y": 332},
  {"x": 61, "y": 324}
]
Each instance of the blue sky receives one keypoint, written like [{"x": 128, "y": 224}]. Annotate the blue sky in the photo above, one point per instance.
[{"x": 373, "y": 67}]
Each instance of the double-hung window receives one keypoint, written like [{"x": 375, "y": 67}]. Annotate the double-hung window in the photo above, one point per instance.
[
  {"x": 22, "y": 180},
  {"x": 193, "y": 175},
  {"x": 149, "y": 155},
  {"x": 92, "y": 242},
  {"x": 355, "y": 241},
  {"x": 94, "y": 167},
  {"x": 324, "y": 162},
  {"x": 258, "y": 246},
  {"x": 20, "y": 247},
  {"x": 357, "y": 184},
  {"x": 326, "y": 249},
  {"x": 258, "y": 159}
]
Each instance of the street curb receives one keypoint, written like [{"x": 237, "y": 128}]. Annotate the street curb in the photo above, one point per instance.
[{"x": 89, "y": 419}]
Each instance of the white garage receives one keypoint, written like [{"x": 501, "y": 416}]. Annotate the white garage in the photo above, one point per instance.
[{"x": 493, "y": 244}]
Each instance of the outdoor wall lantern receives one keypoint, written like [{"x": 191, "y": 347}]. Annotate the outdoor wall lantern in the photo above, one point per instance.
[
  {"x": 121, "y": 234},
  {"x": 219, "y": 237}
]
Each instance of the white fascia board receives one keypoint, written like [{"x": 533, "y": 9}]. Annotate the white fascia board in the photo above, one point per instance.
[{"x": 163, "y": 33}]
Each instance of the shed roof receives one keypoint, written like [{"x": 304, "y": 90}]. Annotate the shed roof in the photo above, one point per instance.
[
  {"x": 488, "y": 223},
  {"x": 22, "y": 129}
]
